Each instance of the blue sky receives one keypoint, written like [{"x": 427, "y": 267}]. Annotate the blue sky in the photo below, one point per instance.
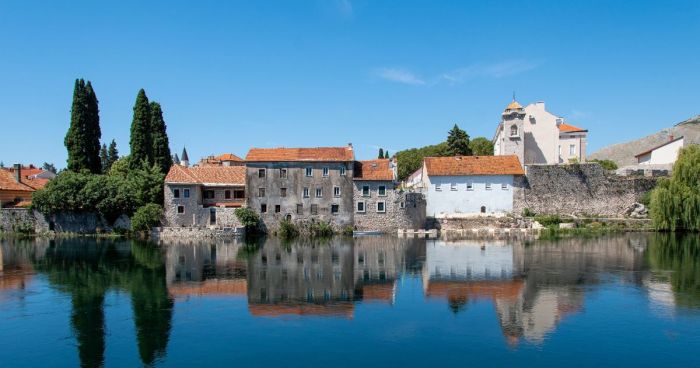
[{"x": 318, "y": 73}]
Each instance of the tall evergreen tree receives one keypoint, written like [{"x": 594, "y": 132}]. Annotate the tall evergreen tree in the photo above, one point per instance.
[
  {"x": 112, "y": 154},
  {"x": 104, "y": 158},
  {"x": 381, "y": 153},
  {"x": 76, "y": 135},
  {"x": 93, "y": 131},
  {"x": 161, "y": 146},
  {"x": 458, "y": 142},
  {"x": 141, "y": 142},
  {"x": 386, "y": 154}
]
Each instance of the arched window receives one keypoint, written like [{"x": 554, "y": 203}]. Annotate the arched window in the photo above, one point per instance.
[
  {"x": 513, "y": 130},
  {"x": 483, "y": 209}
]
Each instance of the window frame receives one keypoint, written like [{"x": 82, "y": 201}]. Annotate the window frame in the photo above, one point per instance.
[
  {"x": 283, "y": 192},
  {"x": 180, "y": 210},
  {"x": 504, "y": 186},
  {"x": 488, "y": 186},
  {"x": 470, "y": 186},
  {"x": 369, "y": 190},
  {"x": 300, "y": 208},
  {"x": 319, "y": 192},
  {"x": 309, "y": 172},
  {"x": 453, "y": 187},
  {"x": 326, "y": 171},
  {"x": 364, "y": 207},
  {"x": 262, "y": 192},
  {"x": 227, "y": 194},
  {"x": 342, "y": 171},
  {"x": 383, "y": 203},
  {"x": 314, "y": 209},
  {"x": 186, "y": 193},
  {"x": 379, "y": 191},
  {"x": 306, "y": 193},
  {"x": 262, "y": 173},
  {"x": 336, "y": 189},
  {"x": 337, "y": 208},
  {"x": 283, "y": 173},
  {"x": 438, "y": 187},
  {"x": 263, "y": 207},
  {"x": 176, "y": 193}
]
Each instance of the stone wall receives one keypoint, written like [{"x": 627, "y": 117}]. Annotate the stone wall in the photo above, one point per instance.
[
  {"x": 194, "y": 213},
  {"x": 403, "y": 210},
  {"x": 85, "y": 223},
  {"x": 577, "y": 189}
]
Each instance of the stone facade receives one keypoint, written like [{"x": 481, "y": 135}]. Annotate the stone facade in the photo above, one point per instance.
[
  {"x": 285, "y": 197},
  {"x": 510, "y": 134},
  {"x": 402, "y": 210},
  {"x": 578, "y": 189},
  {"x": 192, "y": 210}
]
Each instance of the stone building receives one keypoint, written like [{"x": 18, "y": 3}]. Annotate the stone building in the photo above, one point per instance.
[
  {"x": 204, "y": 195},
  {"x": 303, "y": 185},
  {"x": 537, "y": 136},
  {"x": 226, "y": 159},
  {"x": 379, "y": 204},
  {"x": 17, "y": 185}
]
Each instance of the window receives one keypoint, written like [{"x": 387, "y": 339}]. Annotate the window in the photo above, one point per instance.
[
  {"x": 263, "y": 208},
  {"x": 300, "y": 209},
  {"x": 361, "y": 207},
  {"x": 239, "y": 194},
  {"x": 278, "y": 208},
  {"x": 559, "y": 149},
  {"x": 402, "y": 204},
  {"x": 381, "y": 207},
  {"x": 309, "y": 171},
  {"x": 365, "y": 190},
  {"x": 227, "y": 194},
  {"x": 453, "y": 186},
  {"x": 261, "y": 192},
  {"x": 319, "y": 192},
  {"x": 186, "y": 193},
  {"x": 488, "y": 186},
  {"x": 261, "y": 173},
  {"x": 325, "y": 172},
  {"x": 176, "y": 193},
  {"x": 504, "y": 186},
  {"x": 572, "y": 150},
  {"x": 283, "y": 192},
  {"x": 336, "y": 191},
  {"x": 283, "y": 173},
  {"x": 341, "y": 171},
  {"x": 180, "y": 209},
  {"x": 513, "y": 130},
  {"x": 438, "y": 188},
  {"x": 212, "y": 216},
  {"x": 470, "y": 186},
  {"x": 335, "y": 208},
  {"x": 483, "y": 209},
  {"x": 381, "y": 190},
  {"x": 209, "y": 194},
  {"x": 314, "y": 209},
  {"x": 306, "y": 192}
]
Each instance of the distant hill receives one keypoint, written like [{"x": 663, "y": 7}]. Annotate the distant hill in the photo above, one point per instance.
[{"x": 623, "y": 153}]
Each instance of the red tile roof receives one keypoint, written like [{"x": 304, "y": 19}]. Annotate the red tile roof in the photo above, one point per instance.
[
  {"x": 8, "y": 182},
  {"x": 227, "y": 175},
  {"x": 570, "y": 128},
  {"x": 323, "y": 154},
  {"x": 473, "y": 165},
  {"x": 229, "y": 157},
  {"x": 341, "y": 309},
  {"x": 379, "y": 169},
  {"x": 218, "y": 160}
]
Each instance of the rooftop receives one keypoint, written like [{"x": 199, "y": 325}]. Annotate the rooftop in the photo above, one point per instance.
[
  {"x": 567, "y": 128},
  {"x": 514, "y": 105},
  {"x": 8, "y": 182},
  {"x": 211, "y": 175},
  {"x": 671, "y": 140},
  {"x": 322, "y": 154},
  {"x": 379, "y": 169},
  {"x": 473, "y": 165}
]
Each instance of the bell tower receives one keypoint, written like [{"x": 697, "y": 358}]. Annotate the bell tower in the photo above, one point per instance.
[{"x": 512, "y": 135}]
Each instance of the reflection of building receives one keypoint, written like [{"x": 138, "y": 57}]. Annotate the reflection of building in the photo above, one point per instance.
[{"x": 16, "y": 267}]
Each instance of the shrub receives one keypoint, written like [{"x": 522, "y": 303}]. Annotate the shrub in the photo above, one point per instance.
[
  {"x": 348, "y": 230},
  {"x": 548, "y": 220},
  {"x": 23, "y": 228},
  {"x": 288, "y": 230},
  {"x": 146, "y": 217},
  {"x": 646, "y": 199},
  {"x": 248, "y": 218},
  {"x": 606, "y": 164},
  {"x": 321, "y": 229},
  {"x": 528, "y": 213}
]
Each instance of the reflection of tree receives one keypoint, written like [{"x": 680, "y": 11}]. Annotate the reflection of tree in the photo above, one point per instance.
[
  {"x": 87, "y": 270},
  {"x": 679, "y": 253}
]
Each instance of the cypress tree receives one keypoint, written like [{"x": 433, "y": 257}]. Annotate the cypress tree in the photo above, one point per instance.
[
  {"x": 161, "y": 147},
  {"x": 381, "y": 153},
  {"x": 112, "y": 154},
  {"x": 93, "y": 132},
  {"x": 386, "y": 154},
  {"x": 458, "y": 142},
  {"x": 75, "y": 137},
  {"x": 141, "y": 142},
  {"x": 104, "y": 158}
]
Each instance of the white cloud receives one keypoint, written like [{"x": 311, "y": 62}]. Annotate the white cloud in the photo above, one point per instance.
[{"x": 399, "y": 76}]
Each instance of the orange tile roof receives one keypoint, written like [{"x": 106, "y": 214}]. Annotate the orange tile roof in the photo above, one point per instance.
[
  {"x": 8, "y": 182},
  {"x": 567, "y": 128},
  {"x": 373, "y": 170},
  {"x": 323, "y": 154},
  {"x": 343, "y": 309},
  {"x": 473, "y": 165},
  {"x": 509, "y": 290},
  {"x": 514, "y": 105},
  {"x": 379, "y": 292},
  {"x": 229, "y": 175},
  {"x": 229, "y": 157},
  {"x": 210, "y": 288}
]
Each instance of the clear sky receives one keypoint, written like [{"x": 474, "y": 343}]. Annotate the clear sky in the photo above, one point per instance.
[{"x": 395, "y": 74}]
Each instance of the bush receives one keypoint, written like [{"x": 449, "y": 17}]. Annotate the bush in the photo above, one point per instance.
[
  {"x": 23, "y": 228},
  {"x": 348, "y": 230},
  {"x": 675, "y": 202},
  {"x": 606, "y": 164},
  {"x": 146, "y": 217},
  {"x": 548, "y": 220},
  {"x": 321, "y": 229},
  {"x": 528, "y": 213},
  {"x": 288, "y": 230},
  {"x": 646, "y": 199},
  {"x": 248, "y": 218}
]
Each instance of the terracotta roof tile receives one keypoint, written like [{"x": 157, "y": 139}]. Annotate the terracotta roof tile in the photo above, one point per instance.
[
  {"x": 379, "y": 169},
  {"x": 342, "y": 309},
  {"x": 567, "y": 128},
  {"x": 8, "y": 182},
  {"x": 323, "y": 154},
  {"x": 473, "y": 165},
  {"x": 229, "y": 157},
  {"x": 230, "y": 175}
]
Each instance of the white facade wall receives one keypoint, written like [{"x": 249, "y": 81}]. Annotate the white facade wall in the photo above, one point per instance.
[
  {"x": 572, "y": 147},
  {"x": 663, "y": 155},
  {"x": 457, "y": 199},
  {"x": 541, "y": 135}
]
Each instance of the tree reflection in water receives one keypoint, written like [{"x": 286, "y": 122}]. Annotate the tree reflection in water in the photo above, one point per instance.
[{"x": 675, "y": 259}]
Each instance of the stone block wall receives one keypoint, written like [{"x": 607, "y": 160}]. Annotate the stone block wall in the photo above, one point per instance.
[
  {"x": 403, "y": 210},
  {"x": 85, "y": 223},
  {"x": 577, "y": 189}
]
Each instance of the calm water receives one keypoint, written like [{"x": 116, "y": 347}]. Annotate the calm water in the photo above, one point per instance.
[{"x": 379, "y": 301}]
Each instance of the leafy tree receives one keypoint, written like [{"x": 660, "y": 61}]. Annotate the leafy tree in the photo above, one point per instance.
[
  {"x": 411, "y": 159},
  {"x": 83, "y": 137},
  {"x": 161, "y": 148},
  {"x": 248, "y": 218},
  {"x": 675, "y": 202},
  {"x": 141, "y": 142},
  {"x": 481, "y": 146},
  {"x": 48, "y": 167},
  {"x": 146, "y": 217},
  {"x": 104, "y": 158},
  {"x": 381, "y": 153},
  {"x": 458, "y": 142}
]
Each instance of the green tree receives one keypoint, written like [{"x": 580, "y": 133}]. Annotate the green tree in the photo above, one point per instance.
[
  {"x": 112, "y": 154},
  {"x": 104, "y": 158},
  {"x": 675, "y": 202},
  {"x": 83, "y": 137},
  {"x": 606, "y": 164},
  {"x": 48, "y": 167},
  {"x": 411, "y": 159},
  {"x": 161, "y": 148},
  {"x": 381, "y": 153},
  {"x": 141, "y": 142},
  {"x": 481, "y": 146},
  {"x": 458, "y": 142},
  {"x": 386, "y": 154},
  {"x": 146, "y": 217},
  {"x": 94, "y": 133}
]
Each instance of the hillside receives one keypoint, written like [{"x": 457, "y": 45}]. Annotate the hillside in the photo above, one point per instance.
[{"x": 623, "y": 153}]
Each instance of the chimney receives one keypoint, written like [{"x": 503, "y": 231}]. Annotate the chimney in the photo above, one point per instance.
[
  {"x": 350, "y": 145},
  {"x": 18, "y": 172}
]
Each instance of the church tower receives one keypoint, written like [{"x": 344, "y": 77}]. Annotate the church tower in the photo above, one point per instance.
[
  {"x": 511, "y": 135},
  {"x": 184, "y": 160}
]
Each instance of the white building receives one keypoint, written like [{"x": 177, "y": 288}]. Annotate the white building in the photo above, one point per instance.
[
  {"x": 537, "y": 136},
  {"x": 664, "y": 154},
  {"x": 468, "y": 185}
]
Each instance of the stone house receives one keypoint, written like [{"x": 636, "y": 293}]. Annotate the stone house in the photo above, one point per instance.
[
  {"x": 469, "y": 185},
  {"x": 18, "y": 184},
  {"x": 304, "y": 185},
  {"x": 202, "y": 196},
  {"x": 226, "y": 159},
  {"x": 664, "y": 154},
  {"x": 537, "y": 136},
  {"x": 379, "y": 204}
]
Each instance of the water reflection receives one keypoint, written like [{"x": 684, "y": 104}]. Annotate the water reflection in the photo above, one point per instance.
[{"x": 532, "y": 287}]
